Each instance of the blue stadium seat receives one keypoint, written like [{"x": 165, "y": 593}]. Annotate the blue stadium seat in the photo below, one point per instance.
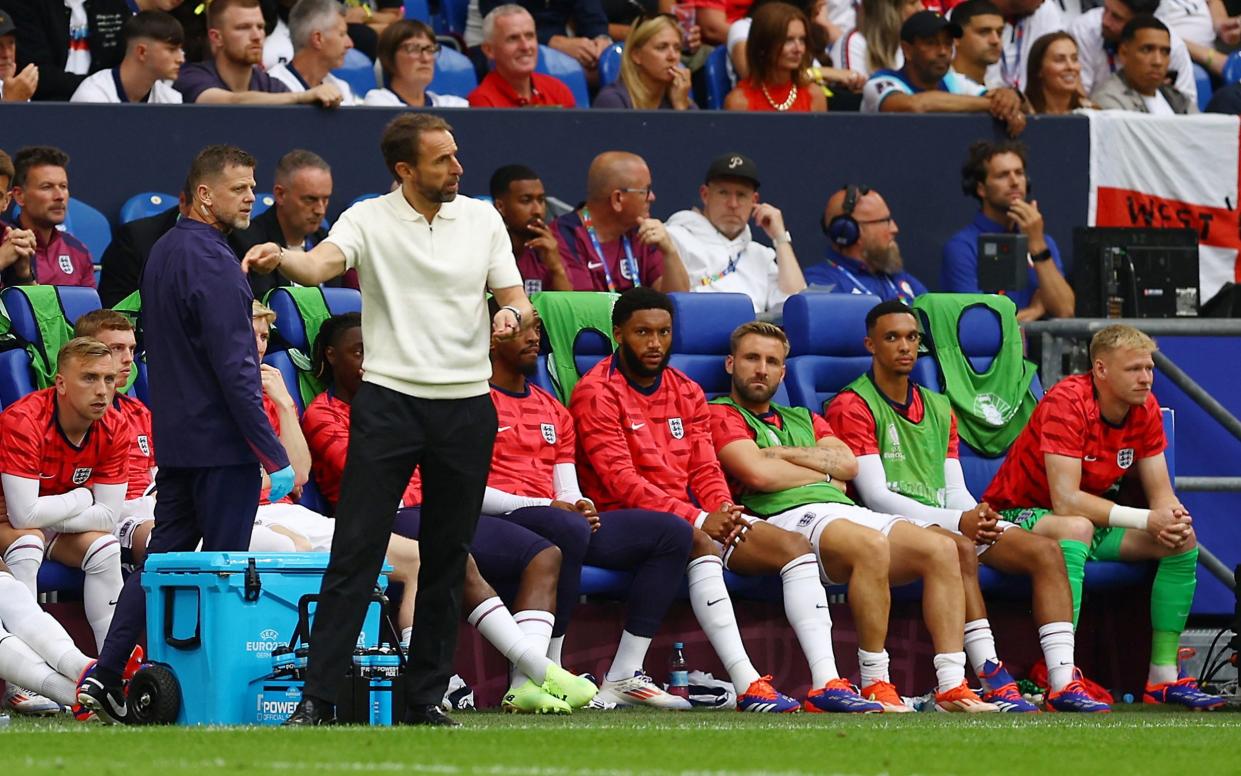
[
  {"x": 15, "y": 378},
  {"x": 1202, "y": 79},
  {"x": 454, "y": 73},
  {"x": 363, "y": 198},
  {"x": 262, "y": 201},
  {"x": 358, "y": 71},
  {"x": 1232, "y": 68},
  {"x": 280, "y": 359},
  {"x": 566, "y": 68},
  {"x": 141, "y": 389},
  {"x": 610, "y": 63},
  {"x": 700, "y": 333},
  {"x": 289, "y": 321},
  {"x": 88, "y": 225},
  {"x": 148, "y": 203},
  {"x": 312, "y": 499},
  {"x": 56, "y": 578},
  {"x": 417, "y": 9},
  {"x": 590, "y": 348},
  {"x": 541, "y": 377},
  {"x": 605, "y": 583},
  {"x": 75, "y": 301},
  {"x": 719, "y": 83},
  {"x": 450, "y": 18}
]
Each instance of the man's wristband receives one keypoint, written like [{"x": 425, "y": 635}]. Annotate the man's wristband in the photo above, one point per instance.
[
  {"x": 516, "y": 313},
  {"x": 1042, "y": 255},
  {"x": 784, "y": 239},
  {"x": 1128, "y": 517},
  {"x": 827, "y": 477}
]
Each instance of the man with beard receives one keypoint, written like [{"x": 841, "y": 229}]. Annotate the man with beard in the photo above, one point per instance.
[
  {"x": 518, "y": 194},
  {"x": 644, "y": 442},
  {"x": 211, "y": 432},
  {"x": 924, "y": 84},
  {"x": 232, "y": 74},
  {"x": 862, "y": 254},
  {"x": 994, "y": 173}
]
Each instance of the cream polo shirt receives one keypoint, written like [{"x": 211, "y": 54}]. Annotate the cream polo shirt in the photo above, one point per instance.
[{"x": 424, "y": 316}]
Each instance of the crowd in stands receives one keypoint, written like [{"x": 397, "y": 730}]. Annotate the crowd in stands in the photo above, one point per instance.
[{"x": 1007, "y": 58}]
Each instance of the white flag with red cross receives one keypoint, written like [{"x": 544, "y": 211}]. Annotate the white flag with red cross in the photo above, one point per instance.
[{"x": 1172, "y": 172}]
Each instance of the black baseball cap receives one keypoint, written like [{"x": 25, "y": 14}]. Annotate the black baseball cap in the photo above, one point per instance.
[
  {"x": 733, "y": 166},
  {"x": 927, "y": 24},
  {"x": 7, "y": 27}
]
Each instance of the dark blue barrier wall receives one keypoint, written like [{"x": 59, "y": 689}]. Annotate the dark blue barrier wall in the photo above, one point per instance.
[{"x": 914, "y": 161}]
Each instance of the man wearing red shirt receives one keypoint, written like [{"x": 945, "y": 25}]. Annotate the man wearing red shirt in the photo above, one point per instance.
[
  {"x": 509, "y": 39},
  {"x": 1062, "y": 477},
  {"x": 644, "y": 442},
  {"x": 41, "y": 188},
  {"x": 64, "y": 455}
]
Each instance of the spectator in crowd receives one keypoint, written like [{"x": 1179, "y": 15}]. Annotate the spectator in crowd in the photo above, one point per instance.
[
  {"x": 126, "y": 255},
  {"x": 1025, "y": 21},
  {"x": 1054, "y": 76},
  {"x": 875, "y": 43},
  {"x": 817, "y": 41},
  {"x": 14, "y": 87},
  {"x": 994, "y": 173},
  {"x": 16, "y": 244},
  {"x": 320, "y": 39},
  {"x": 365, "y": 20},
  {"x": 232, "y": 75},
  {"x": 778, "y": 59},
  {"x": 1097, "y": 33},
  {"x": 1226, "y": 100},
  {"x": 407, "y": 50},
  {"x": 68, "y": 41},
  {"x": 41, "y": 188},
  {"x": 862, "y": 254},
  {"x": 509, "y": 40},
  {"x": 611, "y": 243},
  {"x": 925, "y": 85},
  {"x": 302, "y": 190},
  {"x": 651, "y": 74},
  {"x": 1141, "y": 82},
  {"x": 979, "y": 46},
  {"x": 715, "y": 242},
  {"x": 1202, "y": 25},
  {"x": 578, "y": 28},
  {"x": 153, "y": 59},
  {"x": 519, "y": 196}
]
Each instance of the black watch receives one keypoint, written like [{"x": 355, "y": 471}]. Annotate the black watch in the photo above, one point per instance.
[{"x": 1042, "y": 255}]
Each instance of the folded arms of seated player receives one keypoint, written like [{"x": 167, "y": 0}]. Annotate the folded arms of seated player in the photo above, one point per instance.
[
  {"x": 78, "y": 511},
  {"x": 1167, "y": 519}
]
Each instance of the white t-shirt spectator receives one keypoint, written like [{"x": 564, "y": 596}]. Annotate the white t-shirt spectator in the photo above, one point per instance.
[
  {"x": 105, "y": 86},
  {"x": 1017, "y": 40},
  {"x": 885, "y": 83},
  {"x": 388, "y": 98},
  {"x": 715, "y": 263},
  {"x": 1189, "y": 19},
  {"x": 842, "y": 13},
  {"x": 286, "y": 75},
  {"x": 850, "y": 52},
  {"x": 278, "y": 48},
  {"x": 1098, "y": 63},
  {"x": 1158, "y": 105}
]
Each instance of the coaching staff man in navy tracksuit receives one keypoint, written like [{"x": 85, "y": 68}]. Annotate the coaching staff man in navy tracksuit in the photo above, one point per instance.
[{"x": 211, "y": 432}]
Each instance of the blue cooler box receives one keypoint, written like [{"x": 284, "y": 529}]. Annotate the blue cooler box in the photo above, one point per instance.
[{"x": 215, "y": 621}]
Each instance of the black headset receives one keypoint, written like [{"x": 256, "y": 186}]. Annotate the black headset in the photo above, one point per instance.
[{"x": 843, "y": 230}]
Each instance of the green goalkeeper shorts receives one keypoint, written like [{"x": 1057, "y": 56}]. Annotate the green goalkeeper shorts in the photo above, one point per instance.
[{"x": 1104, "y": 545}]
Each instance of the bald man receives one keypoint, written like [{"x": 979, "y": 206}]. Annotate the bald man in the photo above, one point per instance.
[
  {"x": 612, "y": 243},
  {"x": 862, "y": 254}
]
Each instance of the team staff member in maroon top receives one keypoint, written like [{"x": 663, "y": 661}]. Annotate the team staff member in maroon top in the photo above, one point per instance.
[{"x": 41, "y": 188}]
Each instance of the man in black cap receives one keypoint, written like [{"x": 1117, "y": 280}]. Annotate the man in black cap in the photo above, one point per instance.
[
  {"x": 924, "y": 84},
  {"x": 716, "y": 245},
  {"x": 14, "y": 86}
]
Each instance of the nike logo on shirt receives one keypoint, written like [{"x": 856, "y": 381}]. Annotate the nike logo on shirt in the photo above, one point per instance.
[
  {"x": 502, "y": 429},
  {"x": 636, "y": 426},
  {"x": 1089, "y": 458},
  {"x": 594, "y": 265}
]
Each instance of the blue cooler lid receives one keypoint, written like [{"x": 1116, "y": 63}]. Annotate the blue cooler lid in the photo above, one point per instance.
[{"x": 237, "y": 562}]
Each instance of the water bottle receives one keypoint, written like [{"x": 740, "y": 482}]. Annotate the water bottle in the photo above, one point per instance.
[
  {"x": 678, "y": 672},
  {"x": 4, "y": 720}
]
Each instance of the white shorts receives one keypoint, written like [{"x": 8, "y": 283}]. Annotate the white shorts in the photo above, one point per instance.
[
  {"x": 726, "y": 552},
  {"x": 314, "y": 527},
  {"x": 1002, "y": 525},
  {"x": 811, "y": 519}
]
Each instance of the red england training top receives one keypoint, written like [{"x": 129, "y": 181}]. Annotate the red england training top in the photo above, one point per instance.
[
  {"x": 534, "y": 433},
  {"x": 142, "y": 445},
  {"x": 32, "y": 445}
]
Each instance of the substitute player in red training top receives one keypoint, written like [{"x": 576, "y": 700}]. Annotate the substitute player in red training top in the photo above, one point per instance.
[{"x": 1062, "y": 477}]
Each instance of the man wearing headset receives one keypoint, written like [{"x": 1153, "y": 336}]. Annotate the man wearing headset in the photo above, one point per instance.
[
  {"x": 994, "y": 173},
  {"x": 862, "y": 254}
]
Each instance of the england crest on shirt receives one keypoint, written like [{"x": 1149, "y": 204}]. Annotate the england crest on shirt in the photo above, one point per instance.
[
  {"x": 66, "y": 263},
  {"x": 1124, "y": 457},
  {"x": 533, "y": 286},
  {"x": 626, "y": 271},
  {"x": 549, "y": 432},
  {"x": 81, "y": 475},
  {"x": 144, "y": 445},
  {"x": 676, "y": 427}
]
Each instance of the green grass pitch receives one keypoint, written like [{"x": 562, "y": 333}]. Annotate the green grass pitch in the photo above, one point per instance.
[{"x": 1131, "y": 741}]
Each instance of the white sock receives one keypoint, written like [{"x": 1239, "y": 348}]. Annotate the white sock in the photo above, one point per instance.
[
  {"x": 493, "y": 620},
  {"x": 20, "y": 665},
  {"x": 949, "y": 670},
  {"x": 714, "y": 611},
  {"x": 537, "y": 625},
  {"x": 980, "y": 647},
  {"x": 23, "y": 557},
  {"x": 1161, "y": 674},
  {"x": 1056, "y": 638},
  {"x": 102, "y": 585},
  {"x": 805, "y": 605},
  {"x": 874, "y": 666},
  {"x": 407, "y": 635},
  {"x": 630, "y": 655},
  {"x": 39, "y": 630},
  {"x": 555, "y": 650}
]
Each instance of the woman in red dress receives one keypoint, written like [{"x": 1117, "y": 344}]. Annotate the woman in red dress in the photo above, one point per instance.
[{"x": 778, "y": 60}]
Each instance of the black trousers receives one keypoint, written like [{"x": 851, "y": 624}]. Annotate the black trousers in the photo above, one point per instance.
[
  {"x": 390, "y": 433},
  {"x": 215, "y": 504}
]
